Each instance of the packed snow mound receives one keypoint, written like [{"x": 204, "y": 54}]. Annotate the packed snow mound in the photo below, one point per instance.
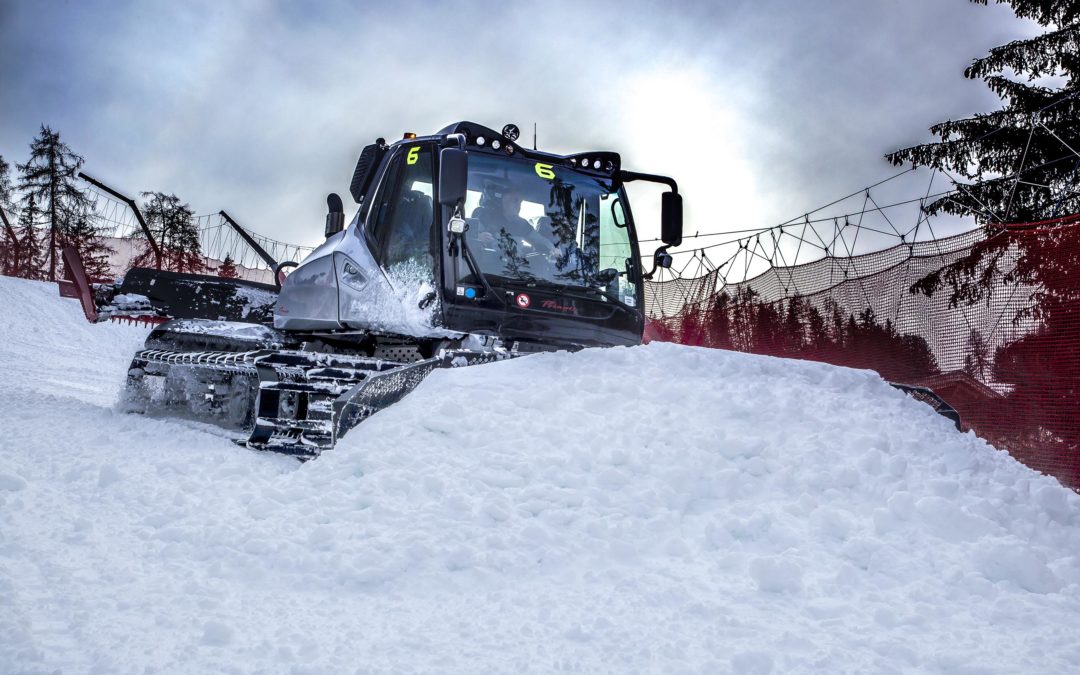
[{"x": 654, "y": 509}]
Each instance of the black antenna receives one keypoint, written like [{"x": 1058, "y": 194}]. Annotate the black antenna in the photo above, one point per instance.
[{"x": 534, "y": 135}]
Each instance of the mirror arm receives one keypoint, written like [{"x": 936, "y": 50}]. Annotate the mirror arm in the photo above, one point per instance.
[
  {"x": 627, "y": 176},
  {"x": 455, "y": 234},
  {"x": 657, "y": 256}
]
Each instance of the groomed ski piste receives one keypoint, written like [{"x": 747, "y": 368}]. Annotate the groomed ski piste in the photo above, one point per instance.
[{"x": 652, "y": 509}]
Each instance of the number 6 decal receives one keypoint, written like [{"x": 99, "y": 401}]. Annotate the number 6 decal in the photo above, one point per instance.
[
  {"x": 414, "y": 154},
  {"x": 544, "y": 171}
]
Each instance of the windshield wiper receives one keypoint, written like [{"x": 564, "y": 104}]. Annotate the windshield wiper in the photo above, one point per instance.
[
  {"x": 562, "y": 289},
  {"x": 601, "y": 292},
  {"x": 591, "y": 289},
  {"x": 470, "y": 261}
]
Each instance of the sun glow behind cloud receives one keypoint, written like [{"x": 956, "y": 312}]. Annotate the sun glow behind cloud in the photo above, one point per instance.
[{"x": 677, "y": 122}]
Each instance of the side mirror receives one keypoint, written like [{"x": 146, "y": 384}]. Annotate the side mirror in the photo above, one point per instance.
[
  {"x": 453, "y": 176},
  {"x": 662, "y": 258},
  {"x": 335, "y": 218},
  {"x": 671, "y": 218}
]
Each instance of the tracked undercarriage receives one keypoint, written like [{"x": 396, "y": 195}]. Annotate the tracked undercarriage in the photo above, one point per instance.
[{"x": 271, "y": 391}]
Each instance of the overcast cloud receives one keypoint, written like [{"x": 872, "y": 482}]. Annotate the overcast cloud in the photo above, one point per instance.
[{"x": 760, "y": 109}]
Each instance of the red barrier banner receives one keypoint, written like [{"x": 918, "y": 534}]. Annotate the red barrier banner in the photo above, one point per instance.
[{"x": 989, "y": 320}]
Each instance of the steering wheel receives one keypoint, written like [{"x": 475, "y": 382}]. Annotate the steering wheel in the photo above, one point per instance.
[{"x": 279, "y": 273}]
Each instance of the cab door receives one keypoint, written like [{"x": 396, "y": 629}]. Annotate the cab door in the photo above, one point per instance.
[
  {"x": 402, "y": 221},
  {"x": 398, "y": 236}
]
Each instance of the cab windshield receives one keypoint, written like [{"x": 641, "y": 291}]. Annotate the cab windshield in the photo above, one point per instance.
[{"x": 537, "y": 222}]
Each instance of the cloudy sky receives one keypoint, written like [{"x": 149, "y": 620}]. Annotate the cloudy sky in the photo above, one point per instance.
[{"x": 761, "y": 109}]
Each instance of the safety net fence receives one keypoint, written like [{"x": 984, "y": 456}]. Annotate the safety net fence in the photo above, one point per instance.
[
  {"x": 213, "y": 239},
  {"x": 988, "y": 319}
]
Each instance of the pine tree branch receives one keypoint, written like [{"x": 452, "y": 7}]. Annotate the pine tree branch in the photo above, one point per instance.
[
  {"x": 1034, "y": 57},
  {"x": 1043, "y": 12},
  {"x": 1023, "y": 97}
]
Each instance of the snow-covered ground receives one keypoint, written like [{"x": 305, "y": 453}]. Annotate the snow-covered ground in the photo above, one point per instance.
[{"x": 658, "y": 509}]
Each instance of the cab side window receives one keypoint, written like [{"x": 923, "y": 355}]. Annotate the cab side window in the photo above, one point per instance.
[
  {"x": 380, "y": 211},
  {"x": 404, "y": 217}
]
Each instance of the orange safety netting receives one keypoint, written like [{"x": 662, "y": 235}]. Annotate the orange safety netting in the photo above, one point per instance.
[{"x": 989, "y": 320}]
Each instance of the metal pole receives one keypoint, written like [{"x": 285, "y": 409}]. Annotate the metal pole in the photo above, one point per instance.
[
  {"x": 267, "y": 258},
  {"x": 134, "y": 209}
]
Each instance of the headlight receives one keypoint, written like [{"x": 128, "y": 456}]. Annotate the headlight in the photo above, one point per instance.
[{"x": 352, "y": 275}]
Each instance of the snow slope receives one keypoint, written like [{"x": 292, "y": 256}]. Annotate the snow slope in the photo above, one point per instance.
[{"x": 733, "y": 513}]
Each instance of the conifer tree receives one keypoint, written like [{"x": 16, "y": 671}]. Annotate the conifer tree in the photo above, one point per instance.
[
  {"x": 29, "y": 254},
  {"x": 173, "y": 225},
  {"x": 9, "y": 247},
  {"x": 227, "y": 270},
  {"x": 49, "y": 177},
  {"x": 1036, "y": 131},
  {"x": 6, "y": 189},
  {"x": 1023, "y": 165},
  {"x": 9, "y": 242},
  {"x": 92, "y": 248}
]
